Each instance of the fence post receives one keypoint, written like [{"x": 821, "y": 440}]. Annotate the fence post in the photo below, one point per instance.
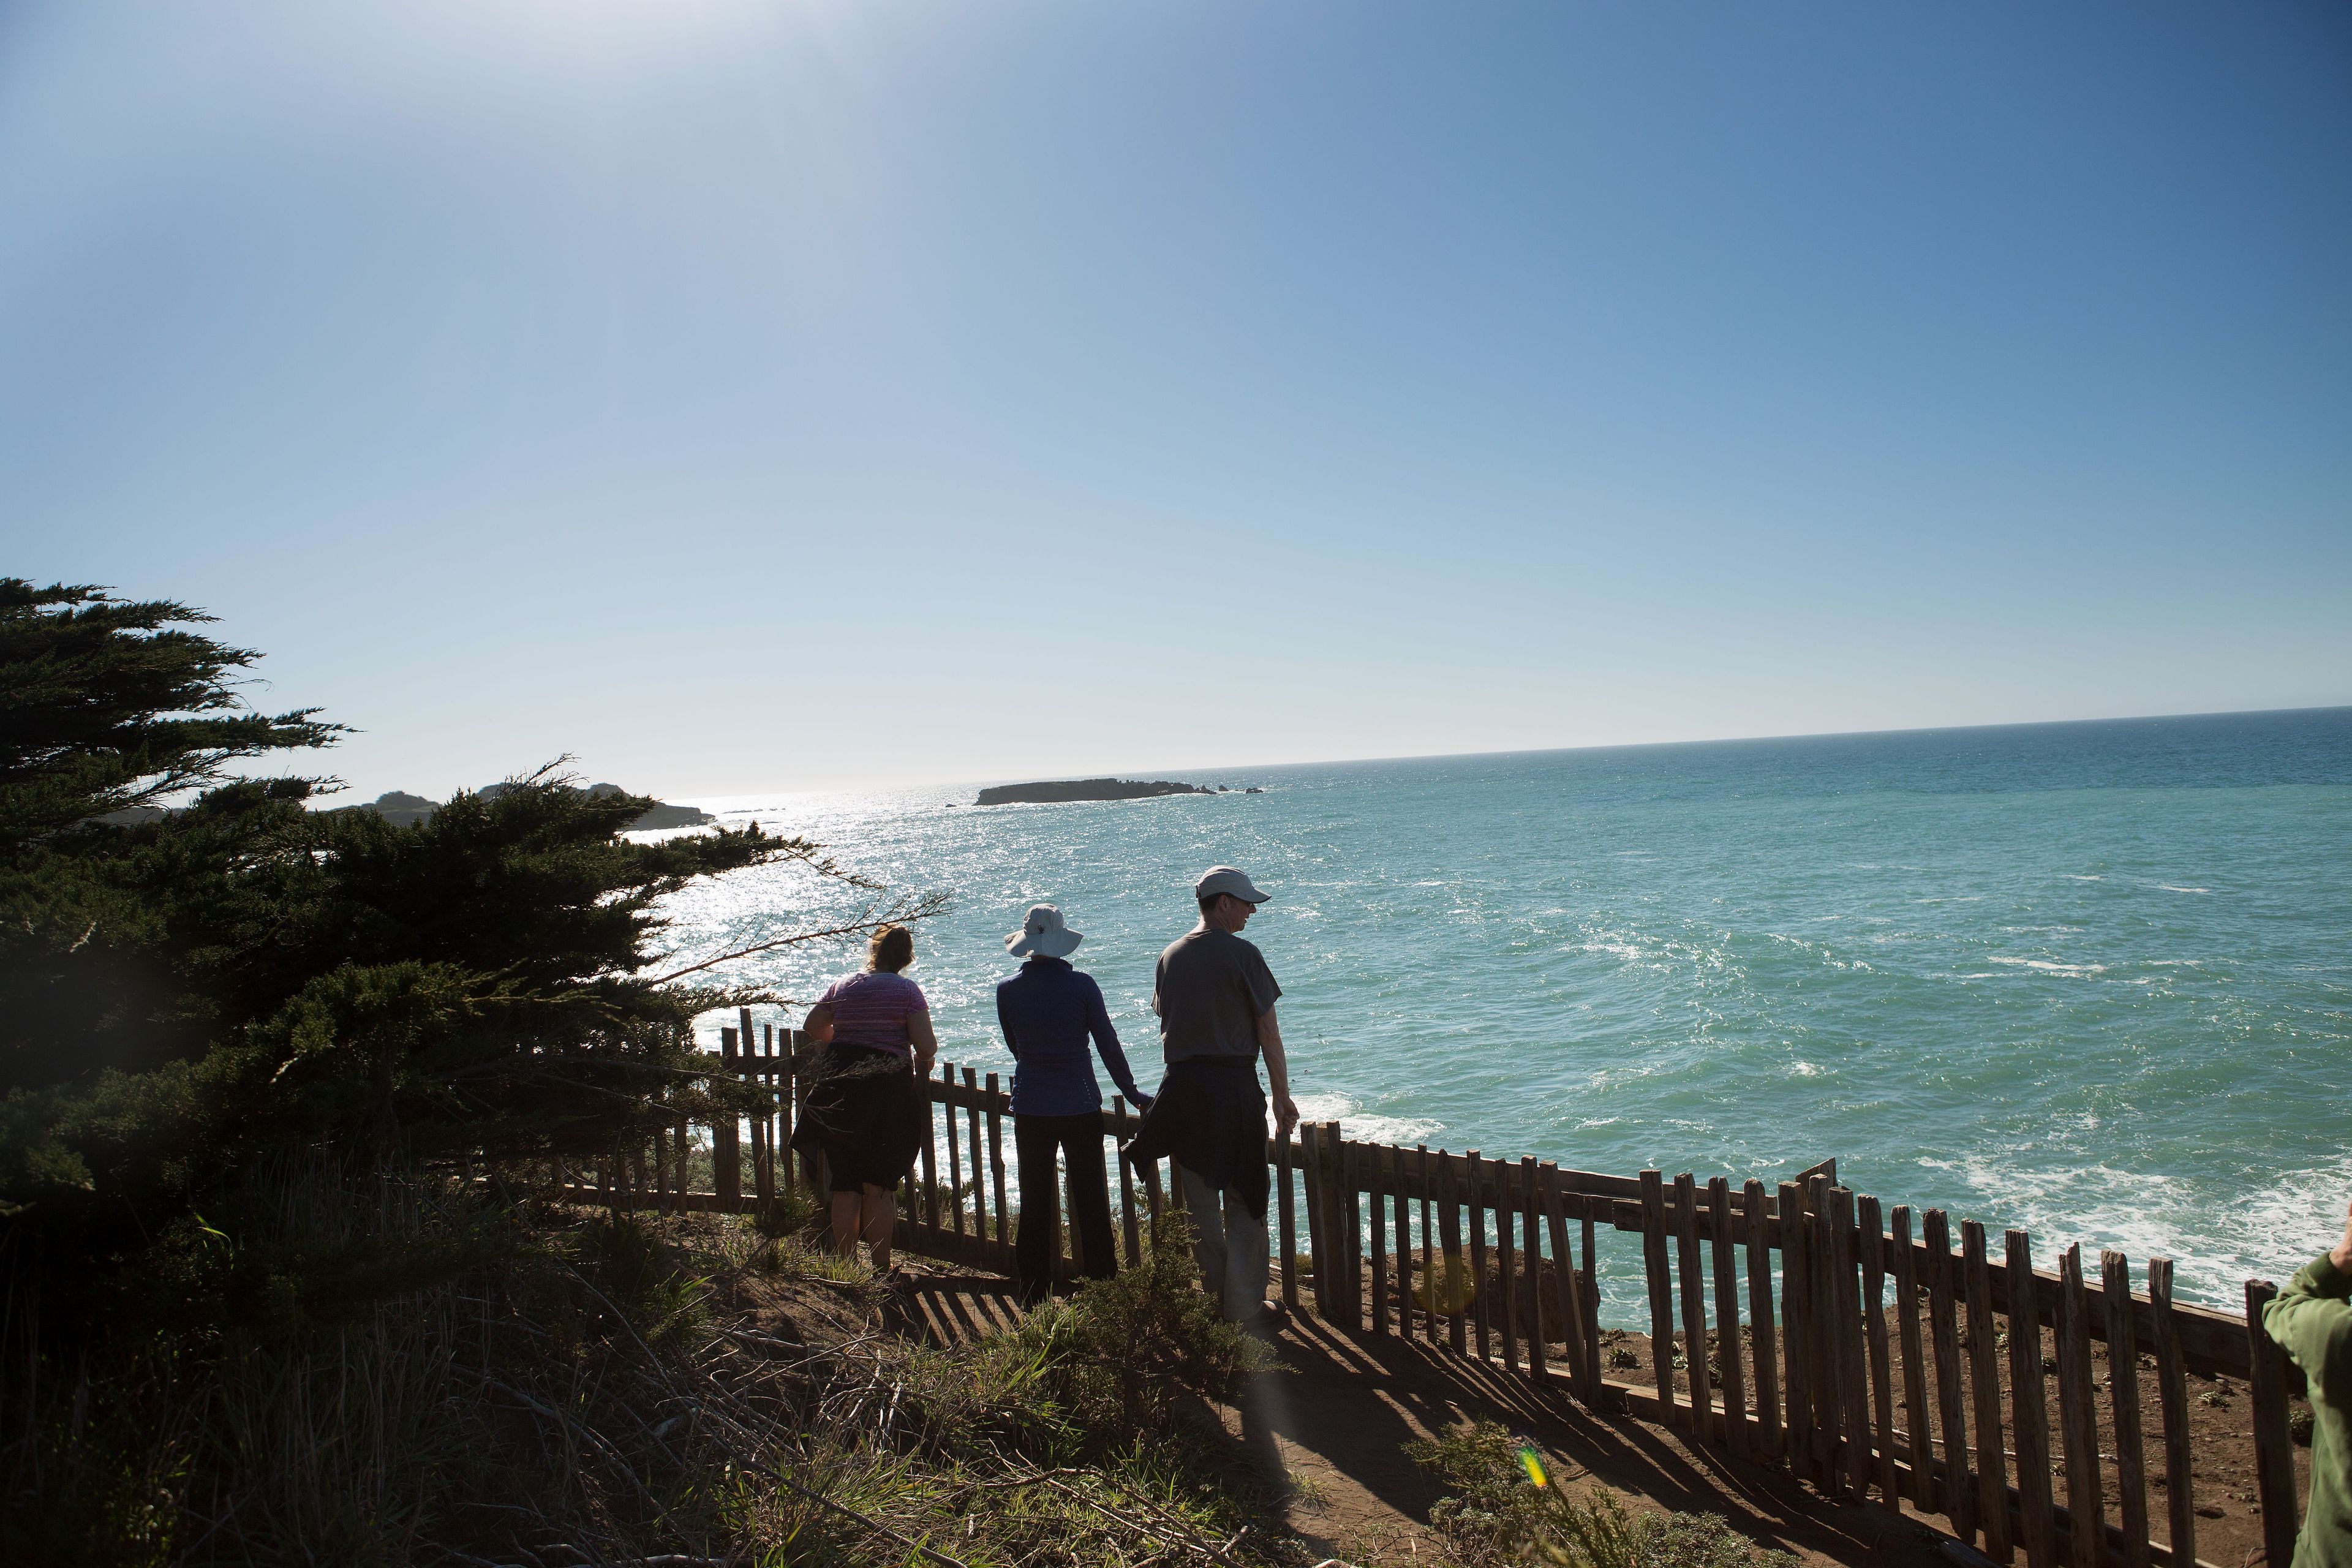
[
  {"x": 1449, "y": 1224},
  {"x": 1403, "y": 1222},
  {"x": 1694, "y": 1283},
  {"x": 2274, "y": 1449},
  {"x": 2030, "y": 1404},
  {"x": 930, "y": 1165},
  {"x": 2123, "y": 1369},
  {"x": 1727, "y": 1317},
  {"x": 1762, "y": 1338},
  {"x": 725, "y": 1152},
  {"x": 2078, "y": 1419},
  {"x": 1285, "y": 1161},
  {"x": 1583, "y": 1355},
  {"x": 1310, "y": 1171},
  {"x": 1943, "y": 1320},
  {"x": 1872, "y": 1241},
  {"x": 955, "y": 1152},
  {"x": 1851, "y": 1374},
  {"x": 763, "y": 1166},
  {"x": 1824, "y": 1305},
  {"x": 1130, "y": 1232},
  {"x": 1477, "y": 1218},
  {"x": 980, "y": 1175},
  {"x": 1004, "y": 1259},
  {"x": 1797, "y": 1320},
  {"x": 1531, "y": 1238},
  {"x": 1433, "y": 1267},
  {"x": 1984, "y": 1381},
  {"x": 1918, "y": 1416},
  {"x": 1661, "y": 1295},
  {"x": 2172, "y": 1398},
  {"x": 1348, "y": 1212},
  {"x": 1506, "y": 1250}
]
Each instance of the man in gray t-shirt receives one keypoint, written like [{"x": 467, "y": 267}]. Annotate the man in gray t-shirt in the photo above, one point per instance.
[
  {"x": 1211, "y": 990},
  {"x": 1215, "y": 997}
]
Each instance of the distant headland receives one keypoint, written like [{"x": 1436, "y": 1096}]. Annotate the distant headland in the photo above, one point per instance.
[
  {"x": 399, "y": 808},
  {"x": 1062, "y": 790}
]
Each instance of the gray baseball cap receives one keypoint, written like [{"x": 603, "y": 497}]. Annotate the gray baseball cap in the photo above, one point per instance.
[{"x": 1226, "y": 879}]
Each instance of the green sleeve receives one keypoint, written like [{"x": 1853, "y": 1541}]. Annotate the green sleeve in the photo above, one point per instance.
[{"x": 2312, "y": 1322}]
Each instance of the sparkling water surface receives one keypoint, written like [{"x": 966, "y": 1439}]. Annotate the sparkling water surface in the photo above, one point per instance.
[{"x": 2094, "y": 980}]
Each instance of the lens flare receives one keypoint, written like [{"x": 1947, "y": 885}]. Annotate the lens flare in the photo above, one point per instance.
[{"x": 1533, "y": 1465}]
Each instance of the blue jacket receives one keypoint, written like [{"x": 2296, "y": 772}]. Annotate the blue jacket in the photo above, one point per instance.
[{"x": 1046, "y": 1010}]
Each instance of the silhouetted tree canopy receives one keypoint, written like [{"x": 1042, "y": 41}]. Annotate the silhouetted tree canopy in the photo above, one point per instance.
[{"x": 188, "y": 991}]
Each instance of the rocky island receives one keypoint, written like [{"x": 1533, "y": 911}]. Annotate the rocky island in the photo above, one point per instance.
[{"x": 1064, "y": 790}]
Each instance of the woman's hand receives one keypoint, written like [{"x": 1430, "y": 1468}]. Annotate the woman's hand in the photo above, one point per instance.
[
  {"x": 2342, "y": 1256},
  {"x": 926, "y": 1042}
]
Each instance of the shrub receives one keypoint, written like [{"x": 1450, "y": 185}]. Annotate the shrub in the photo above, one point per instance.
[
  {"x": 1100, "y": 1371},
  {"x": 1501, "y": 1507}
]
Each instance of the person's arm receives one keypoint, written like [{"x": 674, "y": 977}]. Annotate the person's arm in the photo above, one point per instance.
[
  {"x": 926, "y": 1043},
  {"x": 1277, "y": 1072},
  {"x": 1107, "y": 1046},
  {"x": 1004, "y": 1027},
  {"x": 819, "y": 1026},
  {"x": 2311, "y": 1320}
]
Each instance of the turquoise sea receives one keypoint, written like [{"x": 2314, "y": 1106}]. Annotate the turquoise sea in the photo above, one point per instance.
[{"x": 2092, "y": 979}]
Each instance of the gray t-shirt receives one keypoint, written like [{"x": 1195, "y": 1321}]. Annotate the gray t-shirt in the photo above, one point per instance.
[{"x": 1210, "y": 992}]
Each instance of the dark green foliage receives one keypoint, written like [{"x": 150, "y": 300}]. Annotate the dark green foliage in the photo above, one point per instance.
[
  {"x": 202, "y": 988},
  {"x": 1504, "y": 1505},
  {"x": 105, "y": 705}
]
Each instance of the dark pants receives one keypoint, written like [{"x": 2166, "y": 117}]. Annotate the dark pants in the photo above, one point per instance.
[{"x": 1080, "y": 1140}]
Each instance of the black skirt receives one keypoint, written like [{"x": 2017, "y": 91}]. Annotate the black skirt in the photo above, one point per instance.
[
  {"x": 1210, "y": 1118},
  {"x": 866, "y": 1116}
]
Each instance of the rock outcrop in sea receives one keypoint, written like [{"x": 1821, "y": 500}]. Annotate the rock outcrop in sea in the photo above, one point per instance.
[{"x": 1056, "y": 791}]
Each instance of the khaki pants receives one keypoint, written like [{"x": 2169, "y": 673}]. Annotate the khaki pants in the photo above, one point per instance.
[{"x": 1229, "y": 1244}]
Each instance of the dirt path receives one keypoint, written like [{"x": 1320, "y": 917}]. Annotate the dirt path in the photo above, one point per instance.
[{"x": 1336, "y": 1419}]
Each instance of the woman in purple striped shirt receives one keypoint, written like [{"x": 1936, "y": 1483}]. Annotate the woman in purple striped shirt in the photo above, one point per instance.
[{"x": 865, "y": 1115}]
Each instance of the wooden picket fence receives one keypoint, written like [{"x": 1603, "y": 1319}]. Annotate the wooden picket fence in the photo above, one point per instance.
[{"x": 1798, "y": 1324}]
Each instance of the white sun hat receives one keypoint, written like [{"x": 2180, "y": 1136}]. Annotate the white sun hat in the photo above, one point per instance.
[{"x": 1045, "y": 933}]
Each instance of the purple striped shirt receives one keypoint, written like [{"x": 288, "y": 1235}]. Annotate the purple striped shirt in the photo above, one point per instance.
[{"x": 872, "y": 1009}]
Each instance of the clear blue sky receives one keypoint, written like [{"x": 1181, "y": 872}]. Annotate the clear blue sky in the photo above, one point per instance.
[{"x": 784, "y": 396}]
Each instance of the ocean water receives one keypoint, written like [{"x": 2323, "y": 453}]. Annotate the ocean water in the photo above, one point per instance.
[{"x": 2094, "y": 979}]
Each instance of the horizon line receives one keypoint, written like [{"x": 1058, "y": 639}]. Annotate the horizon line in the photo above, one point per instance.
[{"x": 1138, "y": 774}]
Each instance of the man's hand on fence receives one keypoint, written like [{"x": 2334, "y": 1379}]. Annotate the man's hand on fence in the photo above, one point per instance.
[
  {"x": 1286, "y": 1114},
  {"x": 2342, "y": 1256}
]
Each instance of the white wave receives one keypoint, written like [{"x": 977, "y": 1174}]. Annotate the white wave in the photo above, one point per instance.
[
  {"x": 2073, "y": 878},
  {"x": 1324, "y": 1107},
  {"x": 2273, "y": 1230},
  {"x": 1368, "y": 1127},
  {"x": 2048, "y": 967},
  {"x": 1807, "y": 1069},
  {"x": 2168, "y": 888},
  {"x": 1405, "y": 1130}
]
